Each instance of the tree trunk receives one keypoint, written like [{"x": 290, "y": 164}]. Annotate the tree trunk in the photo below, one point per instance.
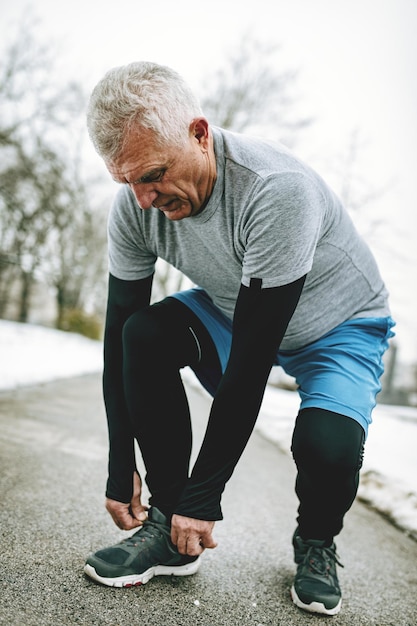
[{"x": 25, "y": 295}]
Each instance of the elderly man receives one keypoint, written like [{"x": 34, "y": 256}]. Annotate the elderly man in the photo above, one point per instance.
[{"x": 282, "y": 277}]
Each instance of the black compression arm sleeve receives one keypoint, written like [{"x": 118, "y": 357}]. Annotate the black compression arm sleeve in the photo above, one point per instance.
[
  {"x": 260, "y": 321},
  {"x": 124, "y": 298}
]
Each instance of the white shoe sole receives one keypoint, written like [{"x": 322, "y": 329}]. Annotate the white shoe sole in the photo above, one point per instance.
[
  {"x": 315, "y": 607},
  {"x": 136, "y": 580}
]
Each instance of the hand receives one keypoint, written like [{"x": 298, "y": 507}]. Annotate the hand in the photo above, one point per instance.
[
  {"x": 131, "y": 514},
  {"x": 191, "y": 536}
]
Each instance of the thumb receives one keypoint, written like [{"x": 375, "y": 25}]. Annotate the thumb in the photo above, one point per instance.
[
  {"x": 207, "y": 541},
  {"x": 139, "y": 512}
]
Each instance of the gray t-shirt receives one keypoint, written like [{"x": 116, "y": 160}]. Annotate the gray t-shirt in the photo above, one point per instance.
[{"x": 270, "y": 216}]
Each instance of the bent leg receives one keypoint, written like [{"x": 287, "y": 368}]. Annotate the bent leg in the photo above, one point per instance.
[
  {"x": 328, "y": 450},
  {"x": 157, "y": 342}
]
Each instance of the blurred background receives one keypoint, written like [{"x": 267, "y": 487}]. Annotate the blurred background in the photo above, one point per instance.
[{"x": 332, "y": 79}]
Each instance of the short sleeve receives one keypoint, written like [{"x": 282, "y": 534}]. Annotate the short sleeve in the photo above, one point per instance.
[
  {"x": 282, "y": 225},
  {"x": 129, "y": 258}
]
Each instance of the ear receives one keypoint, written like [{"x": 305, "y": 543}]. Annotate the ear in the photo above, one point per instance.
[{"x": 199, "y": 129}]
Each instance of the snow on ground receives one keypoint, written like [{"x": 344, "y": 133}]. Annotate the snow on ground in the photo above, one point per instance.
[
  {"x": 389, "y": 474},
  {"x": 33, "y": 354}
]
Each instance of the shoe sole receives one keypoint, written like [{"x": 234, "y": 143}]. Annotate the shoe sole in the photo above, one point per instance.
[
  {"x": 315, "y": 607},
  {"x": 136, "y": 580}
]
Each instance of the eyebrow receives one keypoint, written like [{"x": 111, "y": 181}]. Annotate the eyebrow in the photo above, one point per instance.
[{"x": 151, "y": 175}]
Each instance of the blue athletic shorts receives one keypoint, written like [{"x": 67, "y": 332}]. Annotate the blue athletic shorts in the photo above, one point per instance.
[{"x": 339, "y": 372}]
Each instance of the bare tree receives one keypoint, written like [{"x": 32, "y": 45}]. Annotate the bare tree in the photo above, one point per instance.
[
  {"x": 47, "y": 229},
  {"x": 76, "y": 262},
  {"x": 251, "y": 93},
  {"x": 354, "y": 187},
  {"x": 27, "y": 205}
]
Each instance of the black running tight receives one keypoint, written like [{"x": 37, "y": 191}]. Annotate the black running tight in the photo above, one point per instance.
[
  {"x": 157, "y": 342},
  {"x": 328, "y": 451}
]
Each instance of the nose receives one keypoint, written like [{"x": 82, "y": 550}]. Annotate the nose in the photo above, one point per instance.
[{"x": 145, "y": 197}]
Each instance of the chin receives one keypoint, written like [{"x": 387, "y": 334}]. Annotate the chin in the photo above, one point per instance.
[{"x": 179, "y": 214}]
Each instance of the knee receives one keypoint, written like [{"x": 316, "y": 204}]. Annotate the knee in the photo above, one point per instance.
[
  {"x": 327, "y": 442},
  {"x": 142, "y": 334}
]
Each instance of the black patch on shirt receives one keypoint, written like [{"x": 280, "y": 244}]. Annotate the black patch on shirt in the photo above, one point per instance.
[{"x": 255, "y": 283}]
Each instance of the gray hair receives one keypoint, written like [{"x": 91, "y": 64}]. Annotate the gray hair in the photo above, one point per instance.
[{"x": 145, "y": 95}]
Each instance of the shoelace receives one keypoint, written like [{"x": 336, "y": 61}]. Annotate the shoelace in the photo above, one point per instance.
[
  {"x": 320, "y": 560},
  {"x": 149, "y": 530}
]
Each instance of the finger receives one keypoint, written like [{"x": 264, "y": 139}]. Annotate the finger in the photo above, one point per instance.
[
  {"x": 208, "y": 542},
  {"x": 139, "y": 513},
  {"x": 194, "y": 544},
  {"x": 193, "y": 547},
  {"x": 181, "y": 543},
  {"x": 129, "y": 523},
  {"x": 125, "y": 521},
  {"x": 137, "y": 484}
]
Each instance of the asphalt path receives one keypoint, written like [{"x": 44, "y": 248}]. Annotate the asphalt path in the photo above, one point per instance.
[{"x": 53, "y": 457}]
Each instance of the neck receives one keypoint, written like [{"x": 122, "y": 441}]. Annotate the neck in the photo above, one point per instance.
[{"x": 212, "y": 169}]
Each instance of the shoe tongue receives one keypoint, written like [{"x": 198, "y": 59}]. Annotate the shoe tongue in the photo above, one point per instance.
[
  {"x": 155, "y": 515},
  {"x": 318, "y": 543}
]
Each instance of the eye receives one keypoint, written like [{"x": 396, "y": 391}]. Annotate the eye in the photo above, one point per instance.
[{"x": 152, "y": 177}]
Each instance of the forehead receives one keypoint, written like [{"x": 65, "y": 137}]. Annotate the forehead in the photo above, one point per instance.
[{"x": 141, "y": 153}]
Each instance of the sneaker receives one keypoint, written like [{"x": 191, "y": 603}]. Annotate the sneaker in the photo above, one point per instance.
[
  {"x": 316, "y": 588},
  {"x": 147, "y": 553}
]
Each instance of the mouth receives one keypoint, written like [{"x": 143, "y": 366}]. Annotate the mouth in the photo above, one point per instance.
[
  {"x": 170, "y": 207},
  {"x": 165, "y": 206},
  {"x": 174, "y": 209}
]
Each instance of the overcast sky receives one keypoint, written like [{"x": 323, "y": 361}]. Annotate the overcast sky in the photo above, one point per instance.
[{"x": 357, "y": 62}]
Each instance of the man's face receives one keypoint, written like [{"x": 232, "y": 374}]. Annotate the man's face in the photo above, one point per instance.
[{"x": 176, "y": 180}]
